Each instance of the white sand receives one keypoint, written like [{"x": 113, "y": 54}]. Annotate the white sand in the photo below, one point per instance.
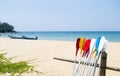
[{"x": 44, "y": 51}]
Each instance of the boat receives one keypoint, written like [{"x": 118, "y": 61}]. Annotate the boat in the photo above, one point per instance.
[
  {"x": 23, "y": 37},
  {"x": 30, "y": 38},
  {"x": 14, "y": 37}
]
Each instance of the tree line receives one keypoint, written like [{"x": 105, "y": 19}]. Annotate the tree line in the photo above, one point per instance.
[{"x": 5, "y": 27}]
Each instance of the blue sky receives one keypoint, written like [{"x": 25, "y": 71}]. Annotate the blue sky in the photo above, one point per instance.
[{"x": 61, "y": 15}]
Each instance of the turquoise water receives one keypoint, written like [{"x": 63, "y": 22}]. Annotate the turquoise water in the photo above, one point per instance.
[{"x": 68, "y": 36}]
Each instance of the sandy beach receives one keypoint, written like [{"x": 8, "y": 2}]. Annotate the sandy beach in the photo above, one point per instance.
[{"x": 44, "y": 51}]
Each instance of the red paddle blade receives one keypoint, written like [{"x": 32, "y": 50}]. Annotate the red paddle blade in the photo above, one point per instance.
[
  {"x": 86, "y": 48},
  {"x": 77, "y": 46}
]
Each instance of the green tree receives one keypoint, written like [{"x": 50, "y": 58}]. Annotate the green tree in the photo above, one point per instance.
[{"x": 5, "y": 27}]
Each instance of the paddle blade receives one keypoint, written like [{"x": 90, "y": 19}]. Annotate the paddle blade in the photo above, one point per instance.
[
  {"x": 94, "y": 55},
  {"x": 86, "y": 48},
  {"x": 81, "y": 44},
  {"x": 97, "y": 45},
  {"x": 105, "y": 45},
  {"x": 101, "y": 45},
  {"x": 92, "y": 45},
  {"x": 77, "y": 46}
]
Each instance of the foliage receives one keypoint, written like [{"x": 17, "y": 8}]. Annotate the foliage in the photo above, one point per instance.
[
  {"x": 17, "y": 68},
  {"x": 5, "y": 27}
]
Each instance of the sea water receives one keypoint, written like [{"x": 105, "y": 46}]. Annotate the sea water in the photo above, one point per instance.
[{"x": 68, "y": 35}]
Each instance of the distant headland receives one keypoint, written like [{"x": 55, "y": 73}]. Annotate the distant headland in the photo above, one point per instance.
[{"x": 6, "y": 28}]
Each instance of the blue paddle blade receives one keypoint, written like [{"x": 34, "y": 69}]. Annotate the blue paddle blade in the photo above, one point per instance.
[{"x": 97, "y": 44}]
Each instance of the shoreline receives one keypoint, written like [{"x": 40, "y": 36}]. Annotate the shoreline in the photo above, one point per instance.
[
  {"x": 44, "y": 51},
  {"x": 52, "y": 40}
]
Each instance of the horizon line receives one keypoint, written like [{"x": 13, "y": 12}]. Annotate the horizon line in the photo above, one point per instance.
[{"x": 67, "y": 31}]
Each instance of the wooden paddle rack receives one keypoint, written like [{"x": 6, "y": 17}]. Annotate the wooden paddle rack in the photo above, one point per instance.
[{"x": 103, "y": 64}]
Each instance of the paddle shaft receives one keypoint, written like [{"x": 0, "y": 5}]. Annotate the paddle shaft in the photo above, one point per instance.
[{"x": 72, "y": 61}]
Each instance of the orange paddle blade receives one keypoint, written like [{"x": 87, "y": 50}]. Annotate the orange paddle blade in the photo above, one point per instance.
[{"x": 81, "y": 44}]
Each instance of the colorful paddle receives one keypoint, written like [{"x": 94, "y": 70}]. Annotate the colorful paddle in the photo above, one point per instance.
[
  {"x": 102, "y": 44},
  {"x": 86, "y": 51},
  {"x": 86, "y": 48},
  {"x": 96, "y": 46},
  {"x": 77, "y": 48},
  {"x": 81, "y": 44},
  {"x": 101, "y": 47},
  {"x": 94, "y": 54},
  {"x": 89, "y": 59}
]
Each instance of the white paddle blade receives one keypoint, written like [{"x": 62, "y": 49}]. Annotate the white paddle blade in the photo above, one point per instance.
[
  {"x": 92, "y": 45},
  {"x": 101, "y": 45},
  {"x": 105, "y": 45}
]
